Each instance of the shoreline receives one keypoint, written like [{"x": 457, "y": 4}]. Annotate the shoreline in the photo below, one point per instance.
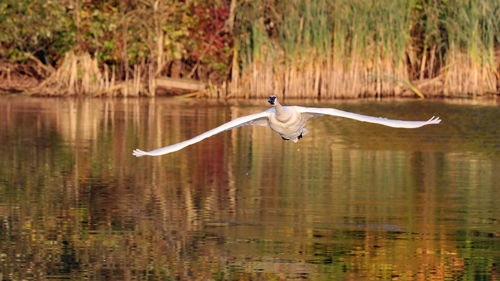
[
  {"x": 19, "y": 84},
  {"x": 234, "y": 49}
]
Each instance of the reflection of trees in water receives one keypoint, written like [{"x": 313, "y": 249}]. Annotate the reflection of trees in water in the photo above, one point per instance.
[
  {"x": 90, "y": 207},
  {"x": 75, "y": 203}
]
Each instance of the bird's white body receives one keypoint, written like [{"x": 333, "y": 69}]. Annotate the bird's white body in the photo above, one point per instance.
[
  {"x": 289, "y": 125},
  {"x": 288, "y": 122}
]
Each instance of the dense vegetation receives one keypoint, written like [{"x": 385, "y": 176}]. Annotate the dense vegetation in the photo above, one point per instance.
[{"x": 317, "y": 48}]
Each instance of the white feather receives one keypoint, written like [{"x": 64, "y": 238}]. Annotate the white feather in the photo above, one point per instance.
[
  {"x": 238, "y": 122},
  {"x": 364, "y": 118},
  {"x": 288, "y": 122}
]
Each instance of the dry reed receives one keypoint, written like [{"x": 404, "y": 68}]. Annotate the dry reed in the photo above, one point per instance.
[
  {"x": 319, "y": 49},
  {"x": 353, "y": 49},
  {"x": 79, "y": 74}
]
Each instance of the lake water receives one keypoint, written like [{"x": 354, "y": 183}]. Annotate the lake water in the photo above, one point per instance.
[{"x": 349, "y": 201}]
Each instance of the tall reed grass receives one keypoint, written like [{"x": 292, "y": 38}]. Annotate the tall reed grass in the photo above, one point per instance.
[{"x": 359, "y": 48}]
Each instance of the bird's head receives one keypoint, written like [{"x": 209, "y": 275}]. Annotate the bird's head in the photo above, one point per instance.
[{"x": 272, "y": 100}]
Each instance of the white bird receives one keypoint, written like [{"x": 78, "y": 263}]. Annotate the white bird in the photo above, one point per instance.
[{"x": 288, "y": 122}]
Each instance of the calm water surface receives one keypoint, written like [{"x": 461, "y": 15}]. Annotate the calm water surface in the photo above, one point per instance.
[{"x": 350, "y": 201}]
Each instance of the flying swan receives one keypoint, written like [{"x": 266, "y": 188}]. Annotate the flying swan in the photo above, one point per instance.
[{"x": 288, "y": 122}]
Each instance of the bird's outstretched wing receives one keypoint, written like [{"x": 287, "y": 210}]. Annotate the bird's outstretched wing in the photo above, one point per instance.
[
  {"x": 253, "y": 119},
  {"x": 314, "y": 111}
]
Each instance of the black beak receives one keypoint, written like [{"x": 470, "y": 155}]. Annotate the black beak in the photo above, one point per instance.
[{"x": 272, "y": 99}]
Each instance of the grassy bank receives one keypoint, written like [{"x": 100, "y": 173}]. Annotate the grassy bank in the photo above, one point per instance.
[
  {"x": 338, "y": 49},
  {"x": 299, "y": 49}
]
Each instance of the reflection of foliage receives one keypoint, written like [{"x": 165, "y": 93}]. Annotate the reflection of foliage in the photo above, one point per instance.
[{"x": 75, "y": 204}]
